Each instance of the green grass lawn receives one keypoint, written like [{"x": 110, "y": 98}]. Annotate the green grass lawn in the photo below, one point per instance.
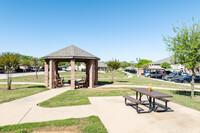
[
  {"x": 143, "y": 81},
  {"x": 80, "y": 97},
  {"x": 105, "y": 78},
  {"x": 183, "y": 98},
  {"x": 19, "y": 91},
  {"x": 30, "y": 78},
  {"x": 90, "y": 124}
]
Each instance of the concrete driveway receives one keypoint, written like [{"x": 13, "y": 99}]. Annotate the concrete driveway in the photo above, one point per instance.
[{"x": 115, "y": 115}]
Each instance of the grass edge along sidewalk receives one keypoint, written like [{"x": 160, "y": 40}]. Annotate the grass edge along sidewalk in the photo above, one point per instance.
[
  {"x": 91, "y": 124},
  {"x": 19, "y": 91}
]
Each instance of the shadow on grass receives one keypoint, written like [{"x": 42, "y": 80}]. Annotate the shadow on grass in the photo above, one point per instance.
[
  {"x": 122, "y": 81},
  {"x": 185, "y": 93},
  {"x": 104, "y": 82},
  {"x": 35, "y": 86}
]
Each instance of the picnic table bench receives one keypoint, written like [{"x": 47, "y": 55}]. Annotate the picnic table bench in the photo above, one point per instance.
[
  {"x": 133, "y": 100},
  {"x": 150, "y": 95}
]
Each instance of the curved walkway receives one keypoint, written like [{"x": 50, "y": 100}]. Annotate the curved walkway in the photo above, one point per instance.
[{"x": 115, "y": 115}]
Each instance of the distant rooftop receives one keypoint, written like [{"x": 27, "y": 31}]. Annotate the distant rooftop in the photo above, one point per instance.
[
  {"x": 161, "y": 61},
  {"x": 102, "y": 64},
  {"x": 70, "y": 52}
]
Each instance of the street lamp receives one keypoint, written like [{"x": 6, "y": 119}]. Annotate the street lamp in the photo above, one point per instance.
[{"x": 138, "y": 60}]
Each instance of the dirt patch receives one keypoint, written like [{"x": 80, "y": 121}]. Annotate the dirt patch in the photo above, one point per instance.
[{"x": 69, "y": 129}]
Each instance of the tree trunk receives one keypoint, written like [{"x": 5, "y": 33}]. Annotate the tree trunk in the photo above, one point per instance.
[
  {"x": 36, "y": 73},
  {"x": 8, "y": 81},
  {"x": 192, "y": 84},
  {"x": 112, "y": 76}
]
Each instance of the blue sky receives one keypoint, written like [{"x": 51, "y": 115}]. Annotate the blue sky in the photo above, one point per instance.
[{"x": 121, "y": 29}]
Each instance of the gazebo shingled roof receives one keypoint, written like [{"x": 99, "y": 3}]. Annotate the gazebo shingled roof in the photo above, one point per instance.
[{"x": 69, "y": 53}]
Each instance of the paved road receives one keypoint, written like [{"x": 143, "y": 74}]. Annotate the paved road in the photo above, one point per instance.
[{"x": 115, "y": 115}]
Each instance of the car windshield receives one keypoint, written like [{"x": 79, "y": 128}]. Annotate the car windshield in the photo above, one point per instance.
[{"x": 171, "y": 74}]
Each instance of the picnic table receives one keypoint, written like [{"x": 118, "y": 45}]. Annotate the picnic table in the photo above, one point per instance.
[{"x": 151, "y": 96}]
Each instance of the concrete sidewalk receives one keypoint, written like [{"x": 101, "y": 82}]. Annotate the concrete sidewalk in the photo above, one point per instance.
[{"x": 13, "y": 112}]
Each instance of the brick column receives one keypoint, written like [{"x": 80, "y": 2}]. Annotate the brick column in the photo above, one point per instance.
[
  {"x": 72, "y": 74},
  {"x": 91, "y": 73},
  {"x": 56, "y": 68},
  {"x": 87, "y": 71},
  {"x": 96, "y": 72},
  {"x": 52, "y": 74},
  {"x": 46, "y": 73}
]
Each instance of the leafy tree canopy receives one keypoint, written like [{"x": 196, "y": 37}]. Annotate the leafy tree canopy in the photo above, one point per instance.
[
  {"x": 165, "y": 65},
  {"x": 185, "y": 45},
  {"x": 114, "y": 65},
  {"x": 142, "y": 62},
  {"x": 9, "y": 61},
  {"x": 125, "y": 64},
  {"x": 64, "y": 64}
]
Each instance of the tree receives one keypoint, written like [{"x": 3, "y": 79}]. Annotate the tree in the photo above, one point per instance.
[
  {"x": 125, "y": 64},
  {"x": 142, "y": 62},
  {"x": 10, "y": 62},
  {"x": 78, "y": 64},
  {"x": 185, "y": 47},
  {"x": 34, "y": 62},
  {"x": 165, "y": 65},
  {"x": 25, "y": 60},
  {"x": 113, "y": 65},
  {"x": 40, "y": 62},
  {"x": 67, "y": 64},
  {"x": 145, "y": 67}
]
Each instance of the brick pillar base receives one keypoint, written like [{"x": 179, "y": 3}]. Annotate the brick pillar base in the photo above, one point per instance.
[
  {"x": 91, "y": 73},
  {"x": 72, "y": 74},
  {"x": 46, "y": 73}
]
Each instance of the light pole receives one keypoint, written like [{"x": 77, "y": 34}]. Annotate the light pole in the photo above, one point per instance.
[{"x": 138, "y": 60}]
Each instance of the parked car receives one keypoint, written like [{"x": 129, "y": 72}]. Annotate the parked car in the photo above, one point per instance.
[
  {"x": 159, "y": 74},
  {"x": 2, "y": 71},
  {"x": 18, "y": 70},
  {"x": 172, "y": 76},
  {"x": 187, "y": 78},
  {"x": 68, "y": 69}
]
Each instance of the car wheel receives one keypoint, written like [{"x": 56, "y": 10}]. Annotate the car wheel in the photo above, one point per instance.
[
  {"x": 169, "y": 79},
  {"x": 185, "y": 81},
  {"x": 149, "y": 76}
]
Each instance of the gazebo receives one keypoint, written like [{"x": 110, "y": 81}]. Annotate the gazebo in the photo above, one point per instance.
[{"x": 70, "y": 54}]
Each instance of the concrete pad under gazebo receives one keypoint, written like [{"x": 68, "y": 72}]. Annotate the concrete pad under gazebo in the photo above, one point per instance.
[{"x": 70, "y": 54}]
